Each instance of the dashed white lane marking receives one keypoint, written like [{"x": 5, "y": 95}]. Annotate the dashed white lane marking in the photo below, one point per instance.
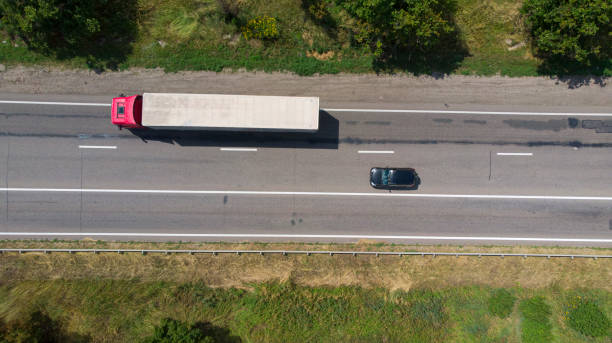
[
  {"x": 514, "y": 154},
  {"x": 375, "y": 152},
  {"x": 53, "y": 103},
  {"x": 238, "y": 149},
  {"x": 97, "y": 147},
  {"x": 338, "y": 194},
  {"x": 292, "y": 236}
]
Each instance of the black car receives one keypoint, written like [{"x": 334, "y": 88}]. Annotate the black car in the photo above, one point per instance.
[{"x": 393, "y": 178}]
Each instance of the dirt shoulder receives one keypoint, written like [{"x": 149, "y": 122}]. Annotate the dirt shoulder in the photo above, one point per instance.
[
  {"x": 454, "y": 92},
  {"x": 392, "y": 272}
]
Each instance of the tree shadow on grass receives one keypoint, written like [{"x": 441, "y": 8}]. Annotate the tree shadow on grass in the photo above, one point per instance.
[
  {"x": 219, "y": 334},
  {"x": 37, "y": 326},
  {"x": 437, "y": 61}
]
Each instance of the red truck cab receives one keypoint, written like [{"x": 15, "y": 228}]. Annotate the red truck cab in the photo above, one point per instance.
[{"x": 127, "y": 111}]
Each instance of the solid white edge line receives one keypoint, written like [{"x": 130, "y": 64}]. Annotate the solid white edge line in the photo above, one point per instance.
[
  {"x": 376, "y": 152},
  {"x": 469, "y": 112},
  {"x": 514, "y": 154},
  {"x": 238, "y": 149},
  {"x": 282, "y": 193},
  {"x": 97, "y": 147},
  {"x": 54, "y": 103},
  {"x": 239, "y": 235},
  {"x": 350, "y": 109}
]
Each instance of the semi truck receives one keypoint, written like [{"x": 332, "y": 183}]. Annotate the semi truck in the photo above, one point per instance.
[{"x": 216, "y": 112}]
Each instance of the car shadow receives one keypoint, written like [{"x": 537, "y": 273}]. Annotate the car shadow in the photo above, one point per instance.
[{"x": 324, "y": 138}]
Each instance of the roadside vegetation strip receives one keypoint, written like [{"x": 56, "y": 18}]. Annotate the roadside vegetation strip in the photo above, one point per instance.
[
  {"x": 299, "y": 252},
  {"x": 314, "y": 36},
  {"x": 130, "y": 310}
]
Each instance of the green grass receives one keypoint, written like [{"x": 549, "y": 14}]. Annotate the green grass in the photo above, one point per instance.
[
  {"x": 501, "y": 303},
  {"x": 127, "y": 311},
  {"x": 535, "y": 324},
  {"x": 204, "y": 35}
]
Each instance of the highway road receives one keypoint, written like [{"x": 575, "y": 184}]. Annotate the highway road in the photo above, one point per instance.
[{"x": 510, "y": 178}]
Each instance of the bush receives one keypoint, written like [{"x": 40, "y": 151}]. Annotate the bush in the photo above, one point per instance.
[
  {"x": 99, "y": 30},
  {"x": 535, "y": 326},
  {"x": 35, "y": 327},
  {"x": 261, "y": 27},
  {"x": 402, "y": 26},
  {"x": 501, "y": 303},
  {"x": 570, "y": 34},
  {"x": 174, "y": 331},
  {"x": 587, "y": 318}
]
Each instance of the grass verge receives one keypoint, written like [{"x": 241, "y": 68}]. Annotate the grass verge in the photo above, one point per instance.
[
  {"x": 206, "y": 35},
  {"x": 112, "y": 297}
]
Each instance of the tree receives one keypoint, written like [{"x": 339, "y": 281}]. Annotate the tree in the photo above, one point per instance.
[
  {"x": 570, "y": 33},
  {"x": 391, "y": 27},
  {"x": 95, "y": 29}
]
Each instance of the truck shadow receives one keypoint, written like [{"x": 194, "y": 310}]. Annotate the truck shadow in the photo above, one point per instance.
[{"x": 325, "y": 138}]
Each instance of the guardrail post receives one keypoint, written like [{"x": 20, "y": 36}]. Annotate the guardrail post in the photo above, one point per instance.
[{"x": 143, "y": 252}]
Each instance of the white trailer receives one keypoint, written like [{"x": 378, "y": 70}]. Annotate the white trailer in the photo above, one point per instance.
[{"x": 217, "y": 112}]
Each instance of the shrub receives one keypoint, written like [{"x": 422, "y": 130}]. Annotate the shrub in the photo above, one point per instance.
[
  {"x": 501, "y": 303},
  {"x": 587, "y": 318},
  {"x": 410, "y": 26},
  {"x": 261, "y": 27},
  {"x": 174, "y": 331},
  {"x": 35, "y": 327},
  {"x": 99, "y": 30},
  {"x": 535, "y": 326},
  {"x": 567, "y": 32}
]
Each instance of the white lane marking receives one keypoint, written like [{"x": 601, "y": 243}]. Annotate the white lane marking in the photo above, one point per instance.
[
  {"x": 238, "y": 149},
  {"x": 53, "y": 103},
  {"x": 347, "y": 194},
  {"x": 373, "y": 110},
  {"x": 376, "y": 152},
  {"x": 254, "y": 235},
  {"x": 97, "y": 147},
  {"x": 514, "y": 154},
  {"x": 470, "y": 112}
]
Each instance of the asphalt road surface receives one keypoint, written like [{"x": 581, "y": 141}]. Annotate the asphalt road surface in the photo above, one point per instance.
[{"x": 521, "y": 178}]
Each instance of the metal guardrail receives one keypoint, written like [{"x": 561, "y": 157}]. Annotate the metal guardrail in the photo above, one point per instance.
[{"x": 298, "y": 252}]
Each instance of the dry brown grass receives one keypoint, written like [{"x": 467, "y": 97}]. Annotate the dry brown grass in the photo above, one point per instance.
[{"x": 390, "y": 272}]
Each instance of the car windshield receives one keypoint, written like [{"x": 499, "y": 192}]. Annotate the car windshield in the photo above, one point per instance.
[{"x": 385, "y": 177}]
